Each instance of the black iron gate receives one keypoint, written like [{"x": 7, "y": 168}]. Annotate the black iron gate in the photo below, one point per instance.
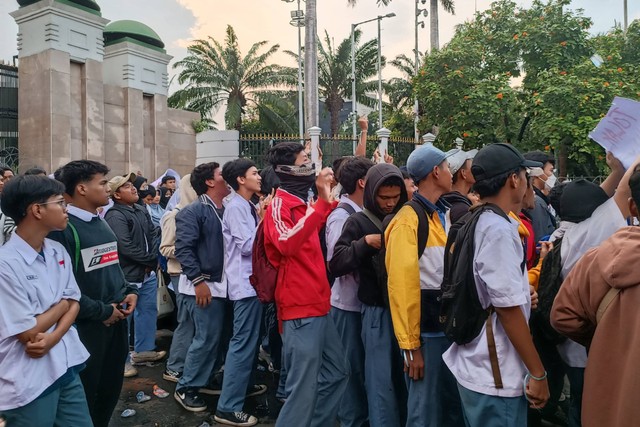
[{"x": 9, "y": 116}]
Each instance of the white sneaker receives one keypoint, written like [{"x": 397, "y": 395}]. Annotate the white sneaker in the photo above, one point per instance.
[
  {"x": 130, "y": 370},
  {"x": 147, "y": 356}
]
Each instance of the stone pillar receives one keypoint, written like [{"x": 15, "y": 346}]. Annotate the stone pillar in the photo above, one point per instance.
[
  {"x": 60, "y": 50},
  {"x": 142, "y": 73},
  {"x": 314, "y": 133},
  {"x": 134, "y": 132},
  {"x": 428, "y": 138},
  {"x": 93, "y": 112},
  {"x": 383, "y": 145}
]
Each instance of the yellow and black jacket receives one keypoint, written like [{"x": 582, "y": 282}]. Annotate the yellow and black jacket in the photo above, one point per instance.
[{"x": 414, "y": 284}]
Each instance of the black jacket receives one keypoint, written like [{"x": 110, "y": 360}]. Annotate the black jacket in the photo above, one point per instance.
[
  {"x": 199, "y": 241},
  {"x": 459, "y": 203},
  {"x": 138, "y": 239},
  {"x": 351, "y": 253}
]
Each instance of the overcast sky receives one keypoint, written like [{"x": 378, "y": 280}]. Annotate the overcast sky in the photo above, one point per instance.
[{"x": 179, "y": 21}]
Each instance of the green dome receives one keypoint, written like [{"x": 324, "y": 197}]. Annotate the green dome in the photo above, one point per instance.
[
  {"x": 118, "y": 30},
  {"x": 88, "y": 5}
]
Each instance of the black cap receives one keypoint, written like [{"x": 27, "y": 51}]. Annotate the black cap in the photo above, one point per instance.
[
  {"x": 539, "y": 156},
  {"x": 496, "y": 159},
  {"x": 579, "y": 199}
]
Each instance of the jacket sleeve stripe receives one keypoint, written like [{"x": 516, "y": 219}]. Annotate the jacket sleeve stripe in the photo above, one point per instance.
[{"x": 284, "y": 232}]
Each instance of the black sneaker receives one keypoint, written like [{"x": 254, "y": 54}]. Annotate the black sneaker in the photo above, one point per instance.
[
  {"x": 256, "y": 390},
  {"x": 171, "y": 375},
  {"x": 235, "y": 418},
  {"x": 213, "y": 389},
  {"x": 190, "y": 400}
]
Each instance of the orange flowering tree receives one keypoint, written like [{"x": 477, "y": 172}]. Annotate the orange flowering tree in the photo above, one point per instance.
[{"x": 525, "y": 76}]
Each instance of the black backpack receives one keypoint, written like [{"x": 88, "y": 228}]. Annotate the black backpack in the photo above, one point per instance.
[
  {"x": 462, "y": 315},
  {"x": 549, "y": 285},
  {"x": 323, "y": 241},
  {"x": 379, "y": 259}
]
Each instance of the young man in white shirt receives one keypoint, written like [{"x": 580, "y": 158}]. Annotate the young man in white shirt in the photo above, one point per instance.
[
  {"x": 239, "y": 228},
  {"x": 40, "y": 353},
  {"x": 345, "y": 305},
  {"x": 107, "y": 298},
  {"x": 501, "y": 282}
]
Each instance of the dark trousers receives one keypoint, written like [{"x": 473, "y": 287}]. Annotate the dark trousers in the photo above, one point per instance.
[{"x": 103, "y": 376}]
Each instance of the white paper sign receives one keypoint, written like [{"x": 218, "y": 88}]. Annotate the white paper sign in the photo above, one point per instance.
[{"x": 619, "y": 131}]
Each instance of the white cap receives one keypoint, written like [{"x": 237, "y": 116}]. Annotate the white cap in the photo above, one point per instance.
[
  {"x": 457, "y": 158},
  {"x": 535, "y": 171}
]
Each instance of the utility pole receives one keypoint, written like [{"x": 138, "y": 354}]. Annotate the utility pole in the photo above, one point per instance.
[
  {"x": 626, "y": 16},
  {"x": 379, "y": 74},
  {"x": 312, "y": 116},
  {"x": 416, "y": 107}
]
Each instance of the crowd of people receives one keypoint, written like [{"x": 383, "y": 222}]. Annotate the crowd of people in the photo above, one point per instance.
[{"x": 464, "y": 288}]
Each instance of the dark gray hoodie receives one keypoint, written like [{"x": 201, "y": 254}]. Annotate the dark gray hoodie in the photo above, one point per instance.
[{"x": 352, "y": 253}]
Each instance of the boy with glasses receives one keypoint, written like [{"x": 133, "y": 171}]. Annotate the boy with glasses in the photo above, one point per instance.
[{"x": 40, "y": 353}]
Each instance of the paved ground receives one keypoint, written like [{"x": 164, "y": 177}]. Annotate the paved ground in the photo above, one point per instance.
[{"x": 168, "y": 413}]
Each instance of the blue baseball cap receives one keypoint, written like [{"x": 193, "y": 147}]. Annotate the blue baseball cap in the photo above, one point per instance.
[{"x": 422, "y": 161}]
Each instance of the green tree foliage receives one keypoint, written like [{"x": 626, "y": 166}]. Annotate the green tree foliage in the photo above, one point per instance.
[
  {"x": 216, "y": 74},
  {"x": 525, "y": 76}
]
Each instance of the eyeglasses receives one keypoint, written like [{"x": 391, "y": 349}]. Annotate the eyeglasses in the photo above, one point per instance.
[{"x": 61, "y": 203}]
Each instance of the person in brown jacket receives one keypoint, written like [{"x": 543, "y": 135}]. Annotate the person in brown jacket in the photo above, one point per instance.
[{"x": 597, "y": 306}]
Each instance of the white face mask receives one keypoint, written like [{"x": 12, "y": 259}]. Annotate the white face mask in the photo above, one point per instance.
[{"x": 550, "y": 182}]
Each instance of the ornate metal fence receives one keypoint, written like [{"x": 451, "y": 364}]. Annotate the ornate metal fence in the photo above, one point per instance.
[
  {"x": 9, "y": 116},
  {"x": 256, "y": 146}
]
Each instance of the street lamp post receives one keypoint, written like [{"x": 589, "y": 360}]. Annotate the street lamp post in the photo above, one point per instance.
[
  {"x": 297, "y": 20},
  {"x": 353, "y": 74},
  {"x": 626, "y": 15},
  {"x": 416, "y": 107}
]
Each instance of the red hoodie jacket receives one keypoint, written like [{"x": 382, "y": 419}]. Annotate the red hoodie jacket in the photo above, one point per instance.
[{"x": 292, "y": 244}]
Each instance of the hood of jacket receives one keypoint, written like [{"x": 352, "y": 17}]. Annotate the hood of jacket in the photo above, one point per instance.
[
  {"x": 186, "y": 192},
  {"x": 617, "y": 257},
  {"x": 378, "y": 176}
]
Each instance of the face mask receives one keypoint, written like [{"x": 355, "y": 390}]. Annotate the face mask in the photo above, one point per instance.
[
  {"x": 550, "y": 182},
  {"x": 307, "y": 169}
]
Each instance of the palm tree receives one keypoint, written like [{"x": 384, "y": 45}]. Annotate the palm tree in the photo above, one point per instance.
[
  {"x": 216, "y": 74},
  {"x": 400, "y": 89},
  {"x": 448, "y": 6},
  {"x": 334, "y": 73}
]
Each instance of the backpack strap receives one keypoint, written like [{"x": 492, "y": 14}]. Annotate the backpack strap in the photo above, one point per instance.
[
  {"x": 76, "y": 239},
  {"x": 374, "y": 219},
  {"x": 606, "y": 301},
  {"x": 347, "y": 207},
  {"x": 493, "y": 352},
  {"x": 423, "y": 225},
  {"x": 2, "y": 221}
]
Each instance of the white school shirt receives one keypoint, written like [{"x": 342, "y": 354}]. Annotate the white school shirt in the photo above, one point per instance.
[
  {"x": 239, "y": 230},
  {"x": 218, "y": 289},
  {"x": 29, "y": 286},
  {"x": 501, "y": 282},
  {"x": 577, "y": 240},
  {"x": 344, "y": 292}
]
